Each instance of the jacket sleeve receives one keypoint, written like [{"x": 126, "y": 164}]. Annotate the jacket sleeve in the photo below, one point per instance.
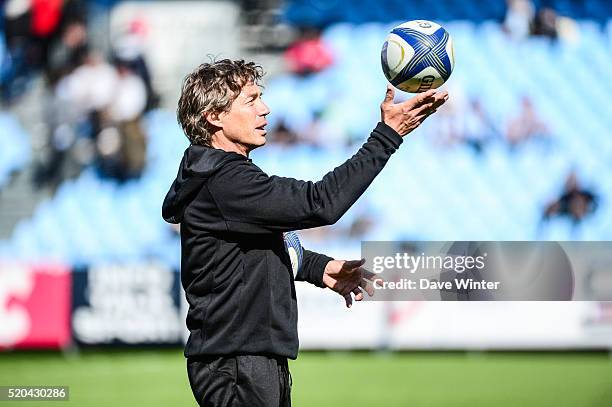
[
  {"x": 313, "y": 266},
  {"x": 250, "y": 201}
]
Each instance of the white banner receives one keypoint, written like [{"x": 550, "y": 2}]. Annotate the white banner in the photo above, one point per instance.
[{"x": 326, "y": 323}]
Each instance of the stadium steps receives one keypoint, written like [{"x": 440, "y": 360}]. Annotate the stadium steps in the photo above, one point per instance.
[{"x": 19, "y": 199}]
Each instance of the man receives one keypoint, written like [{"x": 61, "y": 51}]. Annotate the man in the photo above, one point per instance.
[
  {"x": 235, "y": 268},
  {"x": 575, "y": 203}
]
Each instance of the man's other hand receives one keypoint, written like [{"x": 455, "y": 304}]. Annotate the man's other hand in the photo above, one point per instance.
[
  {"x": 346, "y": 277},
  {"x": 407, "y": 116}
]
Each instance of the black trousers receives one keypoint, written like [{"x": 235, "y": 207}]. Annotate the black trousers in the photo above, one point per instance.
[{"x": 236, "y": 381}]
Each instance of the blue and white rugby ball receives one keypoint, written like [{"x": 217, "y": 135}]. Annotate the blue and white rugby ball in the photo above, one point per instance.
[{"x": 418, "y": 56}]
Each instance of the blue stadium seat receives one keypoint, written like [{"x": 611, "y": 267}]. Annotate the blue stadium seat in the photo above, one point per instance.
[{"x": 322, "y": 14}]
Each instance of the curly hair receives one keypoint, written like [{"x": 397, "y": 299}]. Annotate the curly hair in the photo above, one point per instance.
[{"x": 212, "y": 87}]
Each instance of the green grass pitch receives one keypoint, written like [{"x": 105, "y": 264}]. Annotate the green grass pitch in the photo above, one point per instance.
[{"x": 158, "y": 378}]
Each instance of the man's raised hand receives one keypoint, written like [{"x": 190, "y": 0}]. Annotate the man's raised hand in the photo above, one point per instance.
[{"x": 407, "y": 116}]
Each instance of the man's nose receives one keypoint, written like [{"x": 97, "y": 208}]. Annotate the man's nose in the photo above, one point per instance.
[{"x": 264, "y": 109}]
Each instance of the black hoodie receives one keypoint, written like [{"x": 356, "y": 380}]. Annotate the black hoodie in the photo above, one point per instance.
[{"x": 235, "y": 270}]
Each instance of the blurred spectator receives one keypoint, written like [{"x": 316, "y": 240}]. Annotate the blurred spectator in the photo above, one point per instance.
[
  {"x": 41, "y": 34},
  {"x": 121, "y": 151},
  {"x": 575, "y": 202},
  {"x": 349, "y": 231},
  {"x": 17, "y": 16},
  {"x": 120, "y": 141},
  {"x": 74, "y": 106},
  {"x": 463, "y": 120},
  {"x": 68, "y": 53},
  {"x": 125, "y": 111},
  {"x": 545, "y": 24},
  {"x": 361, "y": 225},
  {"x": 479, "y": 128},
  {"x": 130, "y": 96},
  {"x": 46, "y": 16},
  {"x": 568, "y": 30},
  {"x": 319, "y": 133},
  {"x": 89, "y": 87},
  {"x": 308, "y": 54},
  {"x": 448, "y": 128},
  {"x": 93, "y": 109},
  {"x": 128, "y": 51},
  {"x": 103, "y": 104},
  {"x": 519, "y": 17},
  {"x": 21, "y": 55},
  {"x": 283, "y": 135},
  {"x": 527, "y": 125}
]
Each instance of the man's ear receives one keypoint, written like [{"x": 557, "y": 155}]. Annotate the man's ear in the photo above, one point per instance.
[{"x": 214, "y": 118}]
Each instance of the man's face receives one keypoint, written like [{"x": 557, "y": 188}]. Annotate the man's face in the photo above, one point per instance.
[{"x": 244, "y": 123}]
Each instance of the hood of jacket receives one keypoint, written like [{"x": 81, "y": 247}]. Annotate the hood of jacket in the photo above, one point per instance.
[{"x": 197, "y": 165}]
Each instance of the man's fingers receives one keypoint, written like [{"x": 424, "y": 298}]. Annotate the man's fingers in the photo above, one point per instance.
[
  {"x": 421, "y": 118},
  {"x": 439, "y": 99},
  {"x": 442, "y": 95},
  {"x": 424, "y": 109},
  {"x": 345, "y": 290},
  {"x": 367, "y": 287},
  {"x": 374, "y": 278},
  {"x": 431, "y": 109},
  {"x": 390, "y": 94},
  {"x": 431, "y": 96},
  {"x": 348, "y": 300},
  {"x": 368, "y": 274},
  {"x": 352, "y": 265},
  {"x": 358, "y": 294},
  {"x": 422, "y": 98}
]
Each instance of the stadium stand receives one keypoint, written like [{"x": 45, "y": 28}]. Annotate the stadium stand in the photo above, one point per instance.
[
  {"x": 91, "y": 219},
  {"x": 428, "y": 191},
  {"x": 515, "y": 185}
]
